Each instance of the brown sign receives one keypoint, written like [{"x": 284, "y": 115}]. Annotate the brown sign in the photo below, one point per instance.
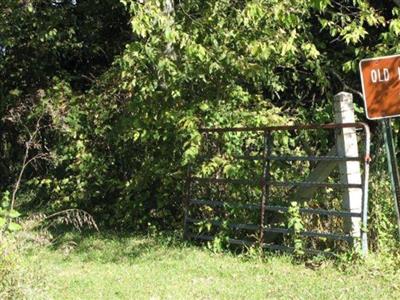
[{"x": 380, "y": 78}]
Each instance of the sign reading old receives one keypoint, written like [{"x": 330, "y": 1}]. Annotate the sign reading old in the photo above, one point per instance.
[{"x": 380, "y": 78}]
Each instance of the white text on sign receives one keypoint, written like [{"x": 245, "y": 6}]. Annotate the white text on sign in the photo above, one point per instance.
[{"x": 383, "y": 75}]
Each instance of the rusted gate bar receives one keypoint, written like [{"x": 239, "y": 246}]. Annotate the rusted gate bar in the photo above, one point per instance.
[
  {"x": 325, "y": 212},
  {"x": 298, "y": 158},
  {"x": 187, "y": 203},
  {"x": 359, "y": 125},
  {"x": 261, "y": 181},
  {"x": 265, "y": 246},
  {"x": 253, "y": 227},
  {"x": 265, "y": 183}
]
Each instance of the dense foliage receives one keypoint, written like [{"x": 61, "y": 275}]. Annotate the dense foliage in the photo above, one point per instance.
[{"x": 113, "y": 93}]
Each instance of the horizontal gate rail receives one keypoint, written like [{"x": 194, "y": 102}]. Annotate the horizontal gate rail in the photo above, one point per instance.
[
  {"x": 344, "y": 237},
  {"x": 276, "y": 208},
  {"x": 358, "y": 125},
  {"x": 317, "y": 211},
  {"x": 315, "y": 158},
  {"x": 295, "y": 158},
  {"x": 261, "y": 181},
  {"x": 264, "y": 246},
  {"x": 264, "y": 182}
]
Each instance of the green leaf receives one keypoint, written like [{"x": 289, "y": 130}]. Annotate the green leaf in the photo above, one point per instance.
[
  {"x": 14, "y": 214},
  {"x": 14, "y": 227}
]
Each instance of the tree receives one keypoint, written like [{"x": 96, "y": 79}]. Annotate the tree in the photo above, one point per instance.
[{"x": 126, "y": 86}]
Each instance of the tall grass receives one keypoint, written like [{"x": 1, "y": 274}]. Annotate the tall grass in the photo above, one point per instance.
[{"x": 18, "y": 280}]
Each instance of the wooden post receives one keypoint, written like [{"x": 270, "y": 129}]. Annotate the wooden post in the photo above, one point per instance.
[
  {"x": 350, "y": 171},
  {"x": 319, "y": 174}
]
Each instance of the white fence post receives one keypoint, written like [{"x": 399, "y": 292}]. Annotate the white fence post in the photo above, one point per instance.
[{"x": 350, "y": 171}]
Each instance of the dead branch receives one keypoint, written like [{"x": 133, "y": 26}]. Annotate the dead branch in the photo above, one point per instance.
[
  {"x": 345, "y": 85},
  {"x": 26, "y": 160}
]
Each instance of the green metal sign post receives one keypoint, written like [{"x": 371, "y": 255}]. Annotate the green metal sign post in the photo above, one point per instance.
[
  {"x": 380, "y": 78},
  {"x": 392, "y": 165}
]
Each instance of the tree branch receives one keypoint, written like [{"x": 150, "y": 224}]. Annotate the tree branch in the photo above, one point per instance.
[
  {"x": 345, "y": 86},
  {"x": 26, "y": 160}
]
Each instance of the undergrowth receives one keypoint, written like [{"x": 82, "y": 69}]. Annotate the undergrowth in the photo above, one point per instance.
[{"x": 18, "y": 280}]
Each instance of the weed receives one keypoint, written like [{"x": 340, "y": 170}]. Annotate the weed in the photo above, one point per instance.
[{"x": 17, "y": 280}]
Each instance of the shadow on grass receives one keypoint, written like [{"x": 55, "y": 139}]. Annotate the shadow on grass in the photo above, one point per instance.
[
  {"x": 113, "y": 247},
  {"x": 134, "y": 247}
]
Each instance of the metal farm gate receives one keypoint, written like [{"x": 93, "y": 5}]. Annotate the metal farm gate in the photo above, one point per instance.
[{"x": 242, "y": 187}]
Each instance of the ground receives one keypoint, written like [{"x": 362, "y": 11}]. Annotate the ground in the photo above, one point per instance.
[{"x": 110, "y": 267}]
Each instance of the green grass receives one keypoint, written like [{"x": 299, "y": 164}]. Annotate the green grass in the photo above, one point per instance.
[{"x": 109, "y": 267}]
